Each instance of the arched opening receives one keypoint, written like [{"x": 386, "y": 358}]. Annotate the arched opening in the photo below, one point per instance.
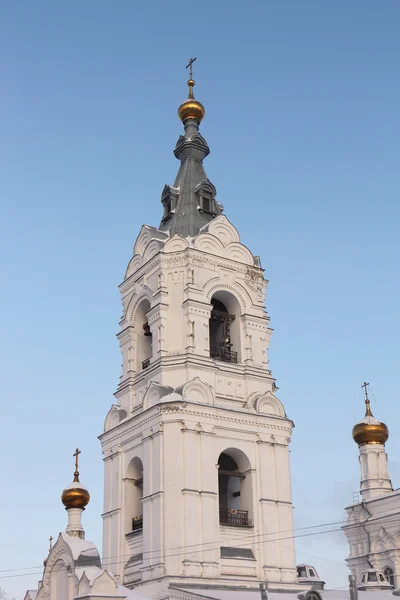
[
  {"x": 224, "y": 327},
  {"x": 389, "y": 575},
  {"x": 235, "y": 488},
  {"x": 59, "y": 581},
  {"x": 133, "y": 496},
  {"x": 144, "y": 347}
]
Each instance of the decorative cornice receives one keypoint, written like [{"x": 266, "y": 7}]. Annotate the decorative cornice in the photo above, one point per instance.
[{"x": 196, "y": 257}]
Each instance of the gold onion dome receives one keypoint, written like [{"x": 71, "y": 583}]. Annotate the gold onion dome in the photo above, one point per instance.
[
  {"x": 191, "y": 108},
  {"x": 370, "y": 431},
  {"x": 75, "y": 495}
]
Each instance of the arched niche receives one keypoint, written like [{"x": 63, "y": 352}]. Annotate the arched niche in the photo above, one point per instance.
[
  {"x": 224, "y": 230},
  {"x": 235, "y": 488},
  {"x": 209, "y": 243},
  {"x": 152, "y": 248},
  {"x": 175, "y": 244},
  {"x": 225, "y": 327},
  {"x": 115, "y": 415},
  {"x": 144, "y": 344},
  {"x": 59, "y": 588},
  {"x": 197, "y": 391},
  {"x": 268, "y": 404},
  {"x": 133, "y": 496},
  {"x": 134, "y": 265},
  {"x": 239, "y": 253},
  {"x": 154, "y": 393}
]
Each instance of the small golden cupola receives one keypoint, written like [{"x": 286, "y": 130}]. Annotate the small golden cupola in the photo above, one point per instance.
[
  {"x": 369, "y": 430},
  {"x": 191, "y": 108},
  {"x": 75, "y": 495}
]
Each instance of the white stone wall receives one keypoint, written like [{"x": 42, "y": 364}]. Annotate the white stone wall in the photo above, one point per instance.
[{"x": 186, "y": 408}]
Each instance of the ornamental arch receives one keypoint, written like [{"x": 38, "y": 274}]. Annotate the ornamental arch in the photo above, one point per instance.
[
  {"x": 235, "y": 488},
  {"x": 225, "y": 327},
  {"x": 133, "y": 496}
]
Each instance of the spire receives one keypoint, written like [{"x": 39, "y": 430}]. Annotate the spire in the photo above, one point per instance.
[
  {"x": 75, "y": 497},
  {"x": 190, "y": 203}
]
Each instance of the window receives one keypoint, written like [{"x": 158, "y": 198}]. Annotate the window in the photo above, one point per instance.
[
  {"x": 312, "y": 574},
  {"x": 388, "y": 573},
  {"x": 206, "y": 204},
  {"x": 133, "y": 496},
  {"x": 372, "y": 576},
  {"x": 301, "y": 572},
  {"x": 220, "y": 333},
  {"x": 234, "y": 488},
  {"x": 144, "y": 347}
]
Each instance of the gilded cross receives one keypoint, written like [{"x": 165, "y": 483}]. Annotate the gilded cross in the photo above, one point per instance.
[
  {"x": 191, "y": 61},
  {"x": 76, "y": 454},
  {"x": 365, "y": 386}
]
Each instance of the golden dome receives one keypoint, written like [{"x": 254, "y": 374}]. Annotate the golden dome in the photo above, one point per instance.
[
  {"x": 191, "y": 108},
  {"x": 370, "y": 431},
  {"x": 75, "y": 495}
]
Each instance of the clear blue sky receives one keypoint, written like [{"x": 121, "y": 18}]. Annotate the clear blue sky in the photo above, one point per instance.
[{"x": 302, "y": 102}]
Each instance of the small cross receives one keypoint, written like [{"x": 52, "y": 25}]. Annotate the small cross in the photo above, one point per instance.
[
  {"x": 365, "y": 386},
  {"x": 51, "y": 541},
  {"x": 191, "y": 61},
  {"x": 76, "y": 454}
]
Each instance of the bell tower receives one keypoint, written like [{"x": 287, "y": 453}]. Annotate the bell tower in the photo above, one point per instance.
[{"x": 196, "y": 446}]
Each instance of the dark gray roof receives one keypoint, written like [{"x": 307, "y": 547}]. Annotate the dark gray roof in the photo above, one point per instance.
[{"x": 187, "y": 216}]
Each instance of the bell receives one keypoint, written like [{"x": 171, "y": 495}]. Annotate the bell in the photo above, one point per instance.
[{"x": 147, "y": 331}]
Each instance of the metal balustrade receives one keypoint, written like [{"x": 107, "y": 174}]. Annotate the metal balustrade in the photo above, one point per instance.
[
  {"x": 232, "y": 516},
  {"x": 137, "y": 523},
  {"x": 224, "y": 354}
]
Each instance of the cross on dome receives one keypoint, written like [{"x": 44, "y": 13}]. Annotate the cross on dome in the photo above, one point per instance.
[
  {"x": 76, "y": 455},
  {"x": 189, "y": 66}
]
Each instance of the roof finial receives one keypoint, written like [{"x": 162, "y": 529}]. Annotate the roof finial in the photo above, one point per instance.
[
  {"x": 50, "y": 543},
  {"x": 76, "y": 474},
  {"x": 368, "y": 412},
  {"x": 191, "y": 80}
]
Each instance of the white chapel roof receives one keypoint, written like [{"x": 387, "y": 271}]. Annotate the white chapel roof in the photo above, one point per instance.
[{"x": 79, "y": 547}]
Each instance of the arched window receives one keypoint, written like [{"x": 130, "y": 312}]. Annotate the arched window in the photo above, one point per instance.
[
  {"x": 225, "y": 327},
  {"x": 144, "y": 348},
  {"x": 234, "y": 488},
  {"x": 388, "y": 573},
  {"x": 133, "y": 496}
]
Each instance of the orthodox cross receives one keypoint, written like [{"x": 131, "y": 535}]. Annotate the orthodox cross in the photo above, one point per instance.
[
  {"x": 365, "y": 386},
  {"x": 76, "y": 474},
  {"x": 76, "y": 454},
  {"x": 191, "y": 61}
]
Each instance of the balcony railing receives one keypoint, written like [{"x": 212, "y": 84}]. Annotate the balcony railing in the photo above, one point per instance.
[
  {"x": 145, "y": 363},
  {"x": 224, "y": 354},
  {"x": 137, "y": 523},
  {"x": 231, "y": 516}
]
